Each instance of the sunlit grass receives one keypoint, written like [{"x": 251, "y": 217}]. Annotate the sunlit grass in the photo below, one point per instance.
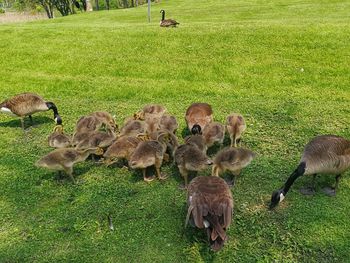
[{"x": 283, "y": 64}]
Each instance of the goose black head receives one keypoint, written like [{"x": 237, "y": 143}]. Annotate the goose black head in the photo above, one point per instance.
[
  {"x": 58, "y": 119},
  {"x": 162, "y": 11},
  {"x": 196, "y": 129},
  {"x": 276, "y": 198}
]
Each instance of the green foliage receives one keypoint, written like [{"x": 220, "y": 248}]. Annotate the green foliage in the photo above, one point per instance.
[
  {"x": 2, "y": 11},
  {"x": 238, "y": 56}
]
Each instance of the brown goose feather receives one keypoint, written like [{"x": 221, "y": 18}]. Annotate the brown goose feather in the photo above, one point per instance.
[
  {"x": 210, "y": 206},
  {"x": 200, "y": 114}
]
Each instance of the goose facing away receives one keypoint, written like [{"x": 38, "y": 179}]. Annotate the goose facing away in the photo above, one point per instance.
[
  {"x": 198, "y": 115},
  {"x": 26, "y": 104},
  {"x": 188, "y": 157},
  {"x": 150, "y": 153},
  {"x": 210, "y": 206},
  {"x": 167, "y": 22},
  {"x": 214, "y": 132},
  {"x": 235, "y": 126},
  {"x": 325, "y": 154},
  {"x": 122, "y": 148},
  {"x": 232, "y": 159},
  {"x": 150, "y": 111}
]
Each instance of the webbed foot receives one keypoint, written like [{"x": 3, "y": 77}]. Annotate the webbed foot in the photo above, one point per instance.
[
  {"x": 149, "y": 179},
  {"x": 330, "y": 191}
]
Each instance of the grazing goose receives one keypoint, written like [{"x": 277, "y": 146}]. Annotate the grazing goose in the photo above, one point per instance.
[
  {"x": 64, "y": 159},
  {"x": 172, "y": 142},
  {"x": 235, "y": 126},
  {"x": 213, "y": 132},
  {"x": 210, "y": 206},
  {"x": 122, "y": 148},
  {"x": 150, "y": 110},
  {"x": 133, "y": 128},
  {"x": 152, "y": 126},
  {"x": 325, "y": 154},
  {"x": 188, "y": 157},
  {"x": 93, "y": 122},
  {"x": 58, "y": 139},
  {"x": 232, "y": 159},
  {"x": 198, "y": 140},
  {"x": 26, "y": 104},
  {"x": 150, "y": 153},
  {"x": 169, "y": 123},
  {"x": 167, "y": 22},
  {"x": 99, "y": 139},
  {"x": 197, "y": 116},
  {"x": 106, "y": 119}
]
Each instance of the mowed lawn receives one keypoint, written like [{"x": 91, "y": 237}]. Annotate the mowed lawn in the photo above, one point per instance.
[{"x": 283, "y": 64}]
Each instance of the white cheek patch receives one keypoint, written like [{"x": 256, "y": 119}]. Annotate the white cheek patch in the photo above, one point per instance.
[
  {"x": 190, "y": 199},
  {"x": 281, "y": 197},
  {"x": 206, "y": 223},
  {"x": 7, "y": 111}
]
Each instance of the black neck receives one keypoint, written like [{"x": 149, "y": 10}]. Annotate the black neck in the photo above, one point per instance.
[
  {"x": 56, "y": 116},
  {"x": 52, "y": 107},
  {"x": 163, "y": 15},
  {"x": 297, "y": 173}
]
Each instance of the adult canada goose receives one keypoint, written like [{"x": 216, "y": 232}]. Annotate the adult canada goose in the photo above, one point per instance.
[
  {"x": 26, "y": 104},
  {"x": 213, "y": 132},
  {"x": 63, "y": 159},
  {"x": 58, "y": 139},
  {"x": 167, "y": 22},
  {"x": 325, "y": 154},
  {"x": 150, "y": 153},
  {"x": 197, "y": 116},
  {"x": 188, "y": 157},
  {"x": 210, "y": 206},
  {"x": 232, "y": 159},
  {"x": 235, "y": 125}
]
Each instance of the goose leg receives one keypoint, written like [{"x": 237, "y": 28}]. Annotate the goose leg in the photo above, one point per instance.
[
  {"x": 330, "y": 191},
  {"x": 145, "y": 178},
  {"x": 69, "y": 171},
  {"x": 232, "y": 141},
  {"x": 158, "y": 163},
  {"x": 22, "y": 123},
  {"x": 309, "y": 190},
  {"x": 184, "y": 174},
  {"x": 31, "y": 119}
]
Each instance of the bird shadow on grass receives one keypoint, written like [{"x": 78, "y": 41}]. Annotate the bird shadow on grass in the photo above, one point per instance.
[
  {"x": 16, "y": 123},
  {"x": 63, "y": 178}
]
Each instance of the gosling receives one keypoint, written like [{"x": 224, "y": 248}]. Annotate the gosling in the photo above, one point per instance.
[
  {"x": 64, "y": 159},
  {"x": 235, "y": 126},
  {"x": 232, "y": 159}
]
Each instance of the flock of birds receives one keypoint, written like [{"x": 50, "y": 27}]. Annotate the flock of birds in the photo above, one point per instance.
[{"x": 148, "y": 138}]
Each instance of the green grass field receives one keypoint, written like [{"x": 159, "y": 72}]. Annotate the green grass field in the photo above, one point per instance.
[{"x": 283, "y": 64}]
